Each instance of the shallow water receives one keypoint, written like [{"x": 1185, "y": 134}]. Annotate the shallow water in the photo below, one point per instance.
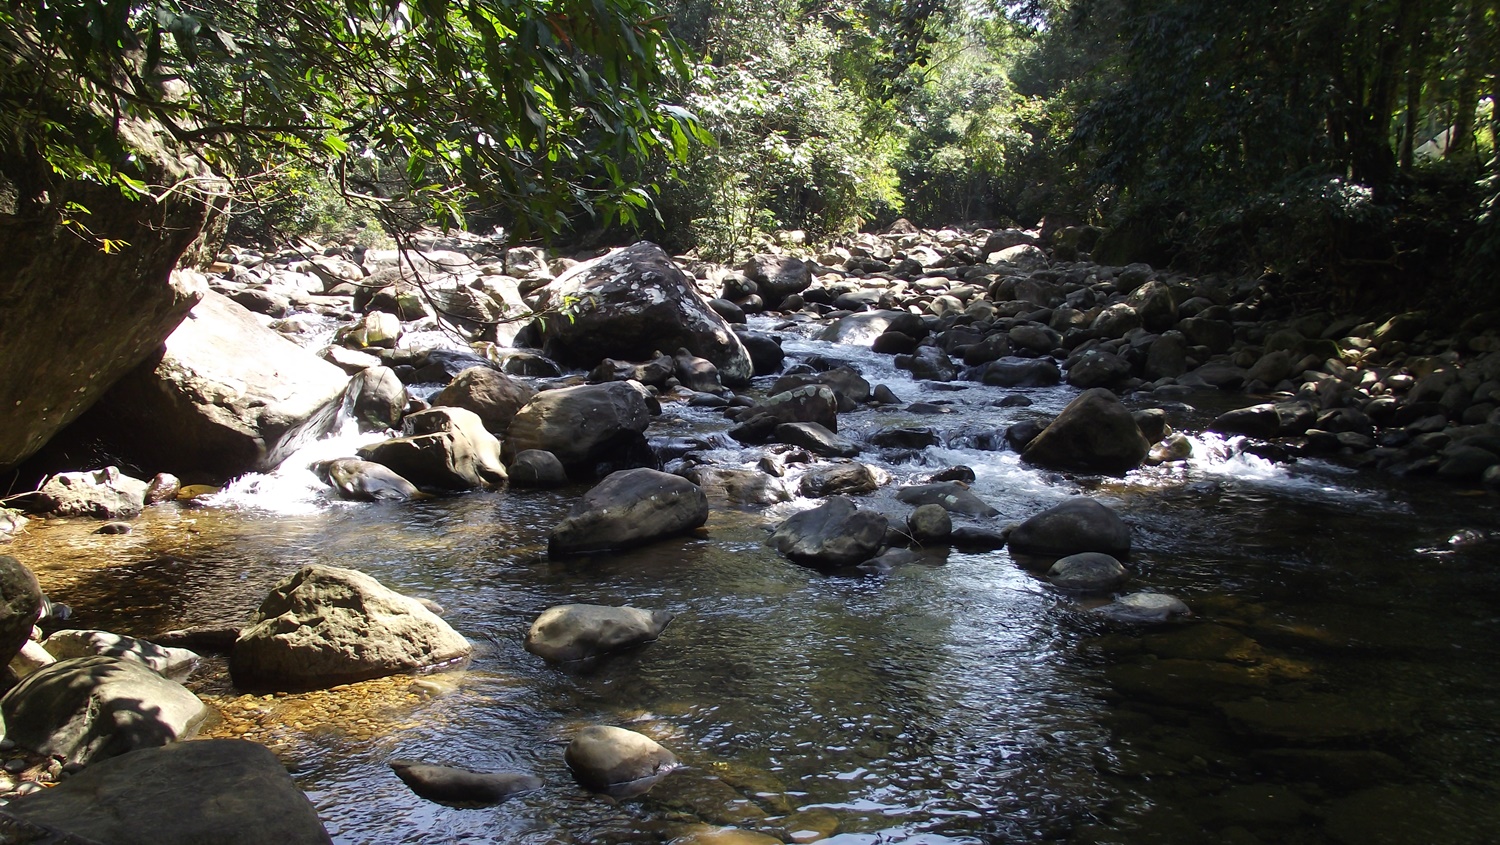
[{"x": 956, "y": 700}]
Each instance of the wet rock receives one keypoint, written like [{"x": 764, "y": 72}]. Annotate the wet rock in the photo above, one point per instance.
[
  {"x": 1077, "y": 525},
  {"x": 364, "y": 481},
  {"x": 833, "y": 534},
  {"x": 113, "y": 528},
  {"x": 1094, "y": 433},
  {"x": 724, "y": 836},
  {"x": 581, "y": 425},
  {"x": 630, "y": 303},
  {"x": 174, "y": 663},
  {"x": 1097, "y": 368},
  {"x": 978, "y": 537},
  {"x": 1087, "y": 572},
  {"x": 86, "y": 709},
  {"x": 765, "y": 351},
  {"x": 579, "y": 631},
  {"x": 1019, "y": 372},
  {"x": 929, "y": 363},
  {"x": 735, "y": 486},
  {"x": 224, "y": 791},
  {"x": 1336, "y": 769},
  {"x": 815, "y": 403},
  {"x": 20, "y": 606},
  {"x": 841, "y": 479},
  {"x": 1204, "y": 641},
  {"x": 1144, "y": 608},
  {"x": 696, "y": 374},
  {"x": 905, "y": 438},
  {"x": 537, "y": 468},
  {"x": 951, "y": 496},
  {"x": 1316, "y": 719},
  {"x": 1185, "y": 683},
  {"x": 630, "y": 508},
  {"x": 777, "y": 276},
  {"x": 376, "y": 399},
  {"x": 862, "y": 329},
  {"x": 452, "y": 785},
  {"x": 846, "y": 383},
  {"x": 617, "y": 761},
  {"x": 443, "y": 449},
  {"x": 929, "y": 524},
  {"x": 816, "y": 439},
  {"x": 494, "y": 396},
  {"x": 102, "y": 494},
  {"x": 324, "y": 625},
  {"x": 1255, "y": 421},
  {"x": 163, "y": 487}
]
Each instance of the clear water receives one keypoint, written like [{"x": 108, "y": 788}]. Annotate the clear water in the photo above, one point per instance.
[{"x": 956, "y": 700}]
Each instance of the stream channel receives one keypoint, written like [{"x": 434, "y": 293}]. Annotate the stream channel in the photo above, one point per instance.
[{"x": 1339, "y": 681}]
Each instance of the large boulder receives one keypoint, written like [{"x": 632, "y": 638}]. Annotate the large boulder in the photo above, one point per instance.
[
  {"x": 617, "y": 761},
  {"x": 777, "y": 276},
  {"x": 20, "y": 606},
  {"x": 1077, "y": 525},
  {"x": 376, "y": 399},
  {"x": 630, "y": 508},
  {"x": 736, "y": 486},
  {"x": 812, "y": 403},
  {"x": 581, "y": 425},
  {"x": 224, "y": 791},
  {"x": 862, "y": 329},
  {"x": 493, "y": 395},
  {"x": 76, "y": 318},
  {"x": 629, "y": 304},
  {"x": 444, "y": 449},
  {"x": 364, "y": 481},
  {"x": 225, "y": 396},
  {"x": 88, "y": 708},
  {"x": 1094, "y": 433},
  {"x": 325, "y": 625},
  {"x": 102, "y": 494},
  {"x": 832, "y": 534},
  {"x": 579, "y": 631},
  {"x": 169, "y": 662}
]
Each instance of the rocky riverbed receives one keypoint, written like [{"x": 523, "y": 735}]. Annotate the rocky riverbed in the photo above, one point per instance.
[{"x": 842, "y": 506}]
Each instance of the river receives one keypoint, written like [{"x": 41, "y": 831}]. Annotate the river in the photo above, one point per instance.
[{"x": 1338, "y": 682}]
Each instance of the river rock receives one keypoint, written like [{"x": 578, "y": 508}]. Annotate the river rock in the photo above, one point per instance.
[
  {"x": 814, "y": 403},
  {"x": 929, "y": 363},
  {"x": 1087, "y": 572},
  {"x": 862, "y": 329},
  {"x": 951, "y": 496},
  {"x": 578, "y": 631},
  {"x": 1097, "y": 368},
  {"x": 452, "y": 785},
  {"x": 11, "y": 523},
  {"x": 832, "y": 534},
  {"x": 376, "y": 399},
  {"x": 20, "y": 606},
  {"x": 1094, "y": 433},
  {"x": 929, "y": 524},
  {"x": 174, "y": 663},
  {"x": 225, "y": 396},
  {"x": 1018, "y": 372},
  {"x": 494, "y": 396},
  {"x": 582, "y": 425},
  {"x": 846, "y": 478},
  {"x": 364, "y": 481},
  {"x": 1077, "y": 525},
  {"x": 765, "y": 351},
  {"x": 224, "y": 791},
  {"x": 617, "y": 761},
  {"x": 1254, "y": 421},
  {"x": 537, "y": 468},
  {"x": 88, "y": 708},
  {"x": 851, "y": 388},
  {"x": 324, "y": 625},
  {"x": 629, "y": 508},
  {"x": 443, "y": 449},
  {"x": 816, "y": 439},
  {"x": 630, "y": 303},
  {"x": 102, "y": 494},
  {"x": 1144, "y": 607},
  {"x": 734, "y": 486}
]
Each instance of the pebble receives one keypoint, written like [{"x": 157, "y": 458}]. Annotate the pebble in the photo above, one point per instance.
[{"x": 16, "y": 766}]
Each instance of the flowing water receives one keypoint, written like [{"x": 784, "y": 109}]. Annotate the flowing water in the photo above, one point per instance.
[{"x": 1337, "y": 683}]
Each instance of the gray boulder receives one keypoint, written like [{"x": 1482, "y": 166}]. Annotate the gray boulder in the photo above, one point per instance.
[
  {"x": 951, "y": 496},
  {"x": 862, "y": 329},
  {"x": 814, "y": 403},
  {"x": 224, "y": 791},
  {"x": 846, "y": 478},
  {"x": 617, "y": 761},
  {"x": 832, "y": 534},
  {"x": 581, "y": 425},
  {"x": 630, "y": 303},
  {"x": 364, "y": 481},
  {"x": 174, "y": 663},
  {"x": 928, "y": 362},
  {"x": 102, "y": 494},
  {"x": 735, "y": 486},
  {"x": 225, "y": 396},
  {"x": 1097, "y": 368},
  {"x": 629, "y": 508},
  {"x": 20, "y": 606},
  {"x": 443, "y": 449},
  {"x": 376, "y": 399},
  {"x": 1087, "y": 572},
  {"x": 777, "y": 276},
  {"x": 1077, "y": 525},
  {"x": 578, "y": 631},
  {"x": 1018, "y": 372},
  {"x": 494, "y": 396},
  {"x": 929, "y": 524},
  {"x": 1094, "y": 433},
  {"x": 537, "y": 468},
  {"x": 325, "y": 625},
  {"x": 851, "y": 388},
  {"x": 1145, "y": 608},
  {"x": 816, "y": 439},
  {"x": 88, "y": 708},
  {"x": 452, "y": 785}
]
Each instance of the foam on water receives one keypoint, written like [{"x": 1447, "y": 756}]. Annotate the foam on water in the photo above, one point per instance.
[{"x": 292, "y": 489}]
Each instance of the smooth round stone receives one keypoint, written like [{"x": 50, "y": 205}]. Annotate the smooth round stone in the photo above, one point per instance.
[
  {"x": 929, "y": 524},
  {"x": 1089, "y": 572},
  {"x": 616, "y": 761},
  {"x": 1144, "y": 607}
]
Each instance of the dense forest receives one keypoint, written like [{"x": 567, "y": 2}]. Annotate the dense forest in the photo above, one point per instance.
[{"x": 1346, "y": 147}]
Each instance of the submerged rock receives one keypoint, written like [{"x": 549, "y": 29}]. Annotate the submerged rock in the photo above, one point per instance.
[
  {"x": 617, "y": 761},
  {"x": 629, "y": 508},
  {"x": 451, "y": 785},
  {"x": 1144, "y": 607},
  {"x": 1088, "y": 572},
  {"x": 579, "y": 631},
  {"x": 325, "y": 625}
]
